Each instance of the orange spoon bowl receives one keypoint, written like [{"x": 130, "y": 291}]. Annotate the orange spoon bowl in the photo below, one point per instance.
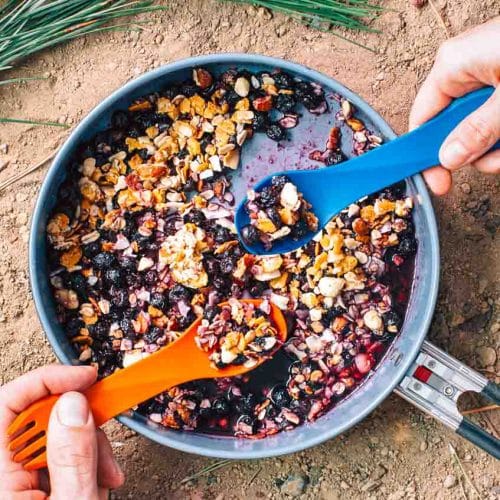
[{"x": 179, "y": 362}]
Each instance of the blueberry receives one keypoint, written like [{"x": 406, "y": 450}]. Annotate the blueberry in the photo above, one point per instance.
[
  {"x": 275, "y": 132},
  {"x": 280, "y": 396},
  {"x": 221, "y": 407},
  {"x": 212, "y": 266},
  {"x": 92, "y": 249},
  {"x": 73, "y": 327},
  {"x": 250, "y": 234},
  {"x": 274, "y": 216},
  {"x": 220, "y": 283},
  {"x": 226, "y": 265},
  {"x": 153, "y": 335},
  {"x": 237, "y": 292},
  {"x": 279, "y": 181},
  {"x": 178, "y": 293},
  {"x": 231, "y": 98},
  {"x": 333, "y": 313},
  {"x": 260, "y": 121},
  {"x": 392, "y": 319},
  {"x": 211, "y": 312},
  {"x": 101, "y": 330},
  {"x": 407, "y": 246},
  {"x": 299, "y": 230},
  {"x": 150, "y": 277},
  {"x": 134, "y": 279},
  {"x": 129, "y": 264},
  {"x": 285, "y": 103},
  {"x": 114, "y": 277},
  {"x": 78, "y": 283},
  {"x": 104, "y": 260},
  {"x": 268, "y": 196},
  {"x": 221, "y": 234},
  {"x": 283, "y": 80},
  {"x": 185, "y": 321},
  {"x": 334, "y": 157},
  {"x": 119, "y": 298},
  {"x": 126, "y": 325},
  {"x": 195, "y": 217},
  {"x": 188, "y": 89},
  {"x": 246, "y": 404},
  {"x": 120, "y": 119},
  {"x": 257, "y": 289},
  {"x": 158, "y": 300}
]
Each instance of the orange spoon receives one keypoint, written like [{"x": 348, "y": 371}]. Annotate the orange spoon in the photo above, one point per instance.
[{"x": 179, "y": 362}]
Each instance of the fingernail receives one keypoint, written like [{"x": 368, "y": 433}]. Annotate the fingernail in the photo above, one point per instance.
[
  {"x": 453, "y": 155},
  {"x": 72, "y": 410}
]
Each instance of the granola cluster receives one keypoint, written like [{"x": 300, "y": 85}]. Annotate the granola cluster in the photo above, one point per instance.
[
  {"x": 238, "y": 334},
  {"x": 277, "y": 211},
  {"x": 142, "y": 242}
]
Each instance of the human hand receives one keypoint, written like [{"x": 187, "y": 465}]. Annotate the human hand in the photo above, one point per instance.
[
  {"x": 463, "y": 64},
  {"x": 80, "y": 459}
]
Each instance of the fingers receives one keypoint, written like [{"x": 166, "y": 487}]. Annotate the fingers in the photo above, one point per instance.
[
  {"x": 489, "y": 164},
  {"x": 438, "y": 179},
  {"x": 72, "y": 449},
  {"x": 109, "y": 474},
  {"x": 23, "y": 495},
  {"x": 474, "y": 136},
  {"x": 53, "y": 379}
]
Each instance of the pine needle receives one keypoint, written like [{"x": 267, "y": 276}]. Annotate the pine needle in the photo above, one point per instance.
[
  {"x": 466, "y": 477},
  {"x": 326, "y": 14},
  {"x": 206, "y": 470},
  {"x": 32, "y": 122},
  {"x": 28, "y": 26},
  {"x": 21, "y": 79}
]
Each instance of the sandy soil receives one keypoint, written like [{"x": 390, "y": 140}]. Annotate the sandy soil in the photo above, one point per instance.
[{"x": 395, "y": 453}]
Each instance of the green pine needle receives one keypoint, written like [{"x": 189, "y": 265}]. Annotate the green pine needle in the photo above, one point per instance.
[
  {"x": 32, "y": 122},
  {"x": 326, "y": 14}
]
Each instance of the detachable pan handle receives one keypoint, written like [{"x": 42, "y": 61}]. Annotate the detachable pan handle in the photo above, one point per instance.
[{"x": 434, "y": 383}]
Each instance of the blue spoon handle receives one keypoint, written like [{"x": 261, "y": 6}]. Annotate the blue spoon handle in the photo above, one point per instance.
[{"x": 412, "y": 152}]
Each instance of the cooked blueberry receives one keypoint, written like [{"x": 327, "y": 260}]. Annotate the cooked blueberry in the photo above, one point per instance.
[
  {"x": 220, "y": 283},
  {"x": 178, "y": 293},
  {"x": 91, "y": 250},
  {"x": 101, "y": 330},
  {"x": 195, "y": 217},
  {"x": 126, "y": 325},
  {"x": 120, "y": 119},
  {"x": 153, "y": 335},
  {"x": 274, "y": 216},
  {"x": 392, "y": 321},
  {"x": 283, "y": 80},
  {"x": 236, "y": 290},
  {"x": 151, "y": 277},
  {"x": 226, "y": 265},
  {"x": 185, "y": 321},
  {"x": 250, "y": 234},
  {"x": 299, "y": 230},
  {"x": 78, "y": 283},
  {"x": 231, "y": 98},
  {"x": 275, "y": 132},
  {"x": 285, "y": 103},
  {"x": 246, "y": 403},
  {"x": 114, "y": 276},
  {"x": 257, "y": 289},
  {"x": 119, "y": 298},
  {"x": 129, "y": 264},
  {"x": 280, "y": 396},
  {"x": 158, "y": 300},
  {"x": 212, "y": 266},
  {"x": 221, "y": 407},
  {"x": 104, "y": 260},
  {"x": 260, "y": 121},
  {"x": 211, "y": 312},
  {"x": 188, "y": 89},
  {"x": 73, "y": 326},
  {"x": 407, "y": 246},
  {"x": 279, "y": 181},
  {"x": 268, "y": 196},
  {"x": 334, "y": 157},
  {"x": 221, "y": 234}
]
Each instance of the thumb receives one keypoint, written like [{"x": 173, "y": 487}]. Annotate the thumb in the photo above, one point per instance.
[
  {"x": 474, "y": 136},
  {"x": 72, "y": 449}
]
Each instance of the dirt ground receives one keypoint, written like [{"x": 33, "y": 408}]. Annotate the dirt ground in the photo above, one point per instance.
[{"x": 395, "y": 453}]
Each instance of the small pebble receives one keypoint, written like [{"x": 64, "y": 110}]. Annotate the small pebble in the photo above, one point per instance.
[
  {"x": 450, "y": 481},
  {"x": 4, "y": 148},
  {"x": 294, "y": 486},
  {"x": 423, "y": 446},
  {"x": 486, "y": 356},
  {"x": 465, "y": 187},
  {"x": 344, "y": 485}
]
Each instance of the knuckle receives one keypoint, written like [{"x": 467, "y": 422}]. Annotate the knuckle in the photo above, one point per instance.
[
  {"x": 478, "y": 131},
  {"x": 78, "y": 458}
]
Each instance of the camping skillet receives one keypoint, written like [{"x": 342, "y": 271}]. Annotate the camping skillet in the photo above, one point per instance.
[{"x": 412, "y": 367}]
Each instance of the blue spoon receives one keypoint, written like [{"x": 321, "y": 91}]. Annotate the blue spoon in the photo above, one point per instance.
[{"x": 330, "y": 190}]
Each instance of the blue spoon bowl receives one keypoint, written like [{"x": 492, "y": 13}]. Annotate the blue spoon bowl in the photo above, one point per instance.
[{"x": 330, "y": 190}]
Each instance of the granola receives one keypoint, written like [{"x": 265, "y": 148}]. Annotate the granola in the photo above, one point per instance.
[
  {"x": 238, "y": 334},
  {"x": 277, "y": 211},
  {"x": 142, "y": 242}
]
